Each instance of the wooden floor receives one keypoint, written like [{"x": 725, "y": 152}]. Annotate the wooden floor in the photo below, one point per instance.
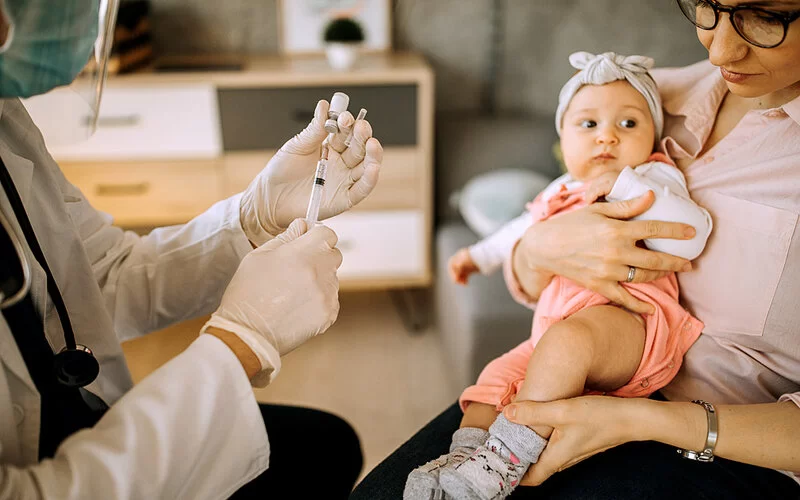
[{"x": 367, "y": 369}]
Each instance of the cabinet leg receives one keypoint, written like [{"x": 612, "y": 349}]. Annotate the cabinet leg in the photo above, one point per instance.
[{"x": 409, "y": 304}]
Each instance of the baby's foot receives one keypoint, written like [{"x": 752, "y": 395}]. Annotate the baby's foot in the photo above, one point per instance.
[
  {"x": 494, "y": 470},
  {"x": 487, "y": 474},
  {"x": 423, "y": 482}
]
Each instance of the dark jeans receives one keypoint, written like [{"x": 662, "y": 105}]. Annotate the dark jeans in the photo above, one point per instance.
[
  {"x": 641, "y": 470},
  {"x": 313, "y": 454}
]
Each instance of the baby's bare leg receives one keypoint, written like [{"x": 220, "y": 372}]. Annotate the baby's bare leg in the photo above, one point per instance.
[
  {"x": 598, "y": 348},
  {"x": 479, "y": 415}
]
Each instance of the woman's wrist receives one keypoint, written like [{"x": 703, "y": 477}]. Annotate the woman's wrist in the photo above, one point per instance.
[
  {"x": 532, "y": 279},
  {"x": 243, "y": 353},
  {"x": 680, "y": 424}
]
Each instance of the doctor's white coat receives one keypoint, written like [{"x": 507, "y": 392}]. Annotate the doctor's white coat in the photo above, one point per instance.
[{"x": 192, "y": 429}]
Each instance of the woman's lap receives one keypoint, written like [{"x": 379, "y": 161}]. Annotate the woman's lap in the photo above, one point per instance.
[
  {"x": 634, "y": 470},
  {"x": 313, "y": 454}
]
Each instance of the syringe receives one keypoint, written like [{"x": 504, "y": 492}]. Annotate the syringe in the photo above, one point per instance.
[
  {"x": 339, "y": 103},
  {"x": 312, "y": 213}
]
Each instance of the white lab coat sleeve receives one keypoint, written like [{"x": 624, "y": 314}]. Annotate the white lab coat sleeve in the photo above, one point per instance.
[
  {"x": 672, "y": 204},
  {"x": 489, "y": 253},
  {"x": 169, "y": 275},
  {"x": 191, "y": 430}
]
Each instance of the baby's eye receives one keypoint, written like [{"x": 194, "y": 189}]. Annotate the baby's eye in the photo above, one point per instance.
[
  {"x": 628, "y": 123},
  {"x": 588, "y": 124}
]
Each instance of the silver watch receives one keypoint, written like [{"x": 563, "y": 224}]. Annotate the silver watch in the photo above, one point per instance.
[{"x": 707, "y": 454}]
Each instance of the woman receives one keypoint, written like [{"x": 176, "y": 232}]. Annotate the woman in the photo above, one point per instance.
[
  {"x": 192, "y": 429},
  {"x": 733, "y": 126}
]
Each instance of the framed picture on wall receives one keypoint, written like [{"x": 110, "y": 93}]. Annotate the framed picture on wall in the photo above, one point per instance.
[{"x": 302, "y": 23}]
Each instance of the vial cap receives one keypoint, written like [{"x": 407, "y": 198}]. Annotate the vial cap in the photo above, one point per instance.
[{"x": 339, "y": 104}]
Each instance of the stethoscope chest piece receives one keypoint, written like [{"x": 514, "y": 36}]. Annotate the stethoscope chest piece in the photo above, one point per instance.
[{"x": 76, "y": 367}]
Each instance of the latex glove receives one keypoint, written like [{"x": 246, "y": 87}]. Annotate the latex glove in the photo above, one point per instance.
[
  {"x": 280, "y": 193},
  {"x": 284, "y": 293}
]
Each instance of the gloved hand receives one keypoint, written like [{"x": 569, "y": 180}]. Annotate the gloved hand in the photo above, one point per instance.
[
  {"x": 283, "y": 293},
  {"x": 280, "y": 193}
]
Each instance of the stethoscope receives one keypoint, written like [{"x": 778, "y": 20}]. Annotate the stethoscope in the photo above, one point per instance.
[{"x": 74, "y": 366}]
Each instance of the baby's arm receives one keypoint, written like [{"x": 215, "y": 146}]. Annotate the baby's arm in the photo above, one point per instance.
[
  {"x": 490, "y": 253},
  {"x": 672, "y": 204}
]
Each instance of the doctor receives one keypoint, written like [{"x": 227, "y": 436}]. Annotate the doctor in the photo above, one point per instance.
[{"x": 192, "y": 429}]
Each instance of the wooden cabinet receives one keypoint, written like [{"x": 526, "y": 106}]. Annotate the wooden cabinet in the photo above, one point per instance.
[{"x": 169, "y": 145}]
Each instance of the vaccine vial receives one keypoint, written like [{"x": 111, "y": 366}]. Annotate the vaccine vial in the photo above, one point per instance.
[{"x": 339, "y": 104}]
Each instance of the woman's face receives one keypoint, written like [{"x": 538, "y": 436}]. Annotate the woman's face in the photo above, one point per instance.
[{"x": 751, "y": 71}]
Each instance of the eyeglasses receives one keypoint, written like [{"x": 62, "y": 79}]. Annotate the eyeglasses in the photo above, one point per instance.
[
  {"x": 762, "y": 28},
  {"x": 15, "y": 271}
]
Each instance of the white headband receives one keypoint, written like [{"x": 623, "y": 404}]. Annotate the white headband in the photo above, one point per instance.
[{"x": 610, "y": 67}]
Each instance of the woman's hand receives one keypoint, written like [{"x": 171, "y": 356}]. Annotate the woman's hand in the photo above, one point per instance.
[
  {"x": 582, "y": 427},
  {"x": 595, "y": 247}
]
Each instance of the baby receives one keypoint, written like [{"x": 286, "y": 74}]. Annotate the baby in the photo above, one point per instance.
[{"x": 609, "y": 118}]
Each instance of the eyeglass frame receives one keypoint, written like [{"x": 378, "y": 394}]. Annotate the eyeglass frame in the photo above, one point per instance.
[{"x": 785, "y": 18}]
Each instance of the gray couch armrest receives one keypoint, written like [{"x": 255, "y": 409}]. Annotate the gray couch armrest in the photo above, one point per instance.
[{"x": 477, "y": 322}]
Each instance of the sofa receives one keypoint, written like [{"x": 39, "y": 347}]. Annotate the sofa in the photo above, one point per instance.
[{"x": 480, "y": 321}]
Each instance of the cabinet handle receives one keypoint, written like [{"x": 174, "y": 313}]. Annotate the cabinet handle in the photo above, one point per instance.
[
  {"x": 122, "y": 189},
  {"x": 118, "y": 121}
]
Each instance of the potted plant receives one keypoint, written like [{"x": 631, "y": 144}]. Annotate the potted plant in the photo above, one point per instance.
[{"x": 343, "y": 37}]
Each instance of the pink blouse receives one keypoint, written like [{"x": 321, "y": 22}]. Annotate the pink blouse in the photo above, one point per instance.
[{"x": 745, "y": 286}]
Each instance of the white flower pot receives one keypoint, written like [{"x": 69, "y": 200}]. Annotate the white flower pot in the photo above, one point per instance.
[{"x": 342, "y": 56}]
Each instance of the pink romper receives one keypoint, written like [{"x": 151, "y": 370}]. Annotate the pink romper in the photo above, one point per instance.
[{"x": 669, "y": 332}]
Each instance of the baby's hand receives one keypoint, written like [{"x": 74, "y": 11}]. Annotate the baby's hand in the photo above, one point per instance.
[
  {"x": 461, "y": 266},
  {"x": 600, "y": 186}
]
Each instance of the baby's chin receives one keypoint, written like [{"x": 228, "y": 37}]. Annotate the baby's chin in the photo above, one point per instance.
[{"x": 595, "y": 168}]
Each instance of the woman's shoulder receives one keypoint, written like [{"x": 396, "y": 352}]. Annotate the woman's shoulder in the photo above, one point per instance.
[
  {"x": 676, "y": 84},
  {"x": 683, "y": 78}
]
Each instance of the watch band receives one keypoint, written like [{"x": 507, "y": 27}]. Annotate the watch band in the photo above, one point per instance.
[{"x": 707, "y": 454}]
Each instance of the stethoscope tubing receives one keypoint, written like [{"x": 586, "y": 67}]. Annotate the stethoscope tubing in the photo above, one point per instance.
[
  {"x": 6, "y": 302},
  {"x": 33, "y": 243}
]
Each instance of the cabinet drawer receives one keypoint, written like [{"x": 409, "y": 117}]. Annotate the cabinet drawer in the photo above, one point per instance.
[
  {"x": 143, "y": 123},
  {"x": 148, "y": 195},
  {"x": 264, "y": 118},
  {"x": 399, "y": 186},
  {"x": 381, "y": 245}
]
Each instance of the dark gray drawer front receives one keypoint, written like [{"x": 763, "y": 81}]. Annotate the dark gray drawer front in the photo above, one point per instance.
[{"x": 266, "y": 118}]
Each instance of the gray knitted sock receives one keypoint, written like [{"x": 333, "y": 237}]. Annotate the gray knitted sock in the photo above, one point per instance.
[
  {"x": 423, "y": 482},
  {"x": 495, "y": 468}
]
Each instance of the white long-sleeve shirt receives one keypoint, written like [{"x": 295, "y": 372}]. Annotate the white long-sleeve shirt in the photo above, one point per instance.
[
  {"x": 672, "y": 204},
  {"x": 192, "y": 429}
]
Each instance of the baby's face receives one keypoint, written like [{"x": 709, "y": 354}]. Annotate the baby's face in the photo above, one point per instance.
[{"x": 606, "y": 128}]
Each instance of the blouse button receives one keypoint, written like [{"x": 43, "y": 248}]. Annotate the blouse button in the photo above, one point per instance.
[
  {"x": 645, "y": 383},
  {"x": 687, "y": 325}
]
